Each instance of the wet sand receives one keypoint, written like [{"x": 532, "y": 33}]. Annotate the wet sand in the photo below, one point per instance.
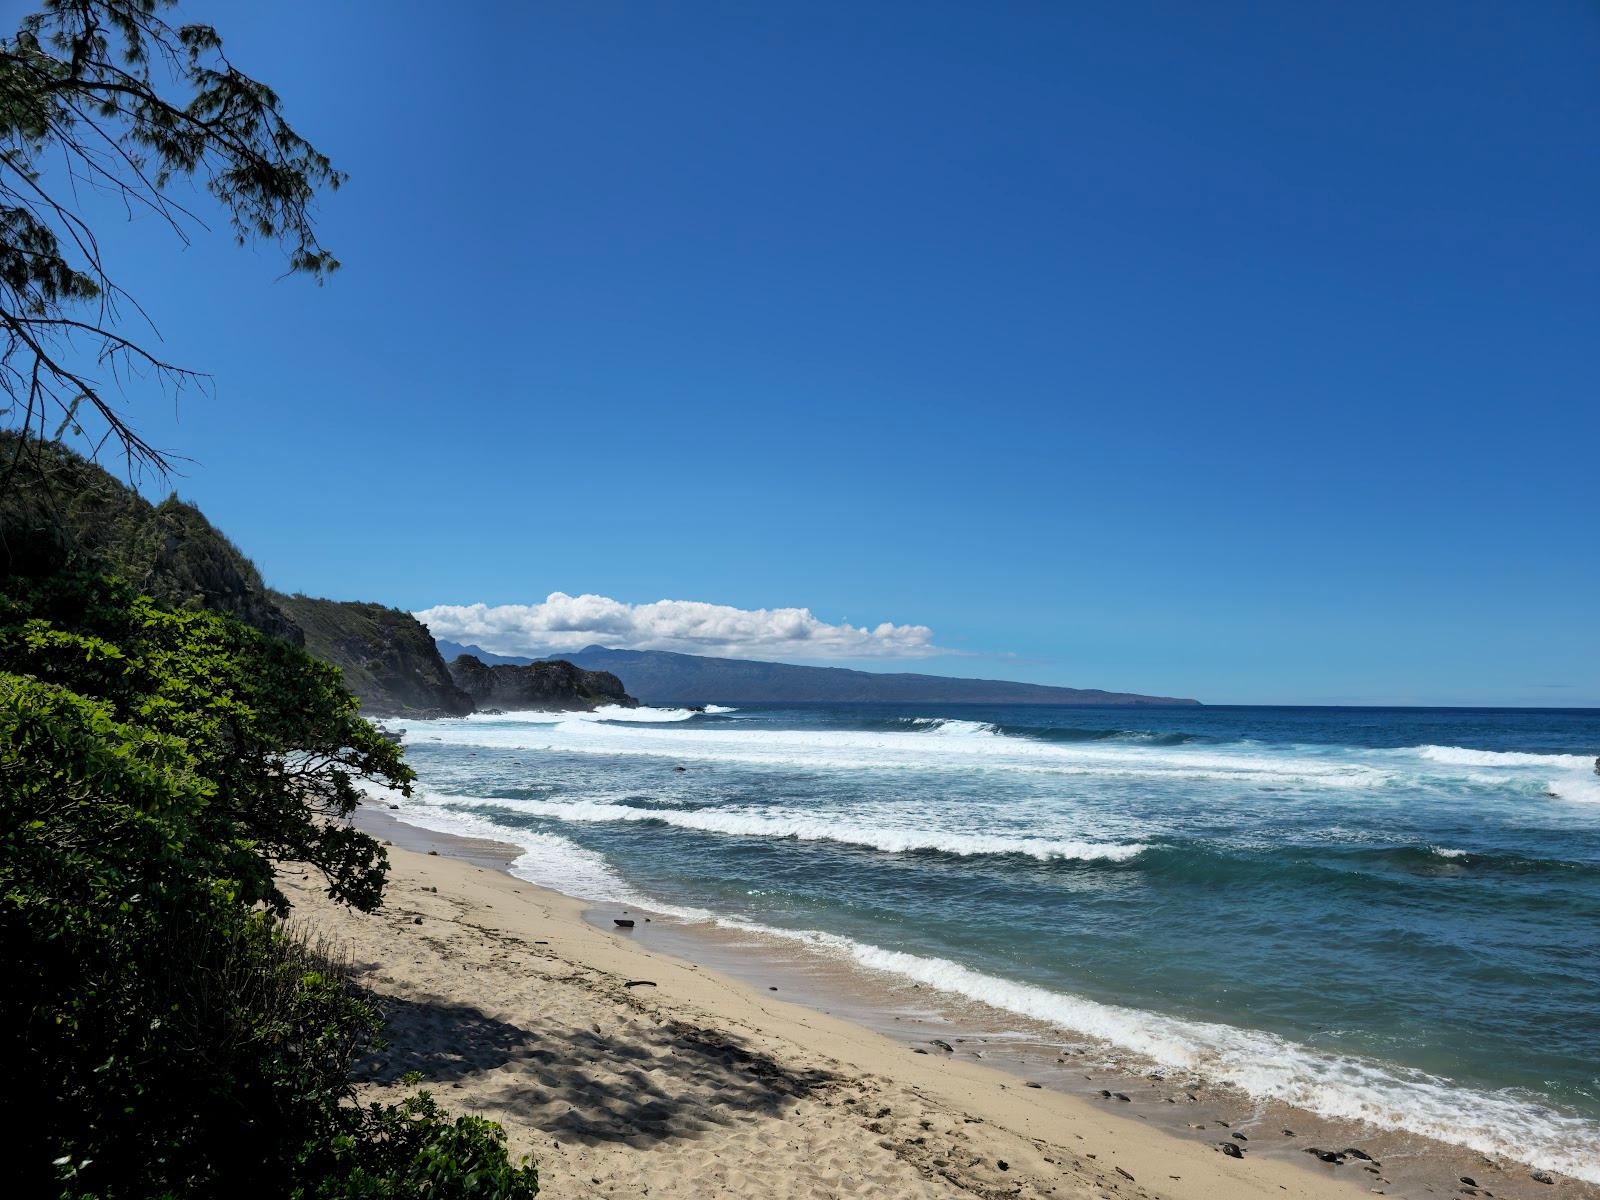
[{"x": 674, "y": 1060}]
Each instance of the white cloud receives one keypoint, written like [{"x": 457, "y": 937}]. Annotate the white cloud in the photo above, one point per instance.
[{"x": 566, "y": 622}]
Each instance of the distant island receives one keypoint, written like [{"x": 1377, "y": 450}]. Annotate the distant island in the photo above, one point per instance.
[{"x": 664, "y": 677}]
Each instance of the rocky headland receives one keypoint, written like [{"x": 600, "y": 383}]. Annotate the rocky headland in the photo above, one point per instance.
[{"x": 542, "y": 685}]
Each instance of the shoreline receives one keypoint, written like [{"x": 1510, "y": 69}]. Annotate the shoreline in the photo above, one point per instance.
[{"x": 1165, "y": 1126}]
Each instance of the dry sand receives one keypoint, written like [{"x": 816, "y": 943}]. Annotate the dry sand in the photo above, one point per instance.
[{"x": 510, "y": 1005}]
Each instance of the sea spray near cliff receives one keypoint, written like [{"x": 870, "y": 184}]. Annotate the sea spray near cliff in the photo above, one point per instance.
[{"x": 1378, "y": 915}]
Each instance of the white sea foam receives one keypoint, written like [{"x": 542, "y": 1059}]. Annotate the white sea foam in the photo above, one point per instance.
[
  {"x": 1565, "y": 776},
  {"x": 547, "y": 858},
  {"x": 647, "y": 716},
  {"x": 540, "y": 717},
  {"x": 1461, "y": 756},
  {"x": 1584, "y": 789},
  {"x": 948, "y": 745},
  {"x": 1512, "y": 1124},
  {"x": 950, "y": 727},
  {"x": 1504, "y": 1123},
  {"x": 720, "y": 708},
  {"x": 803, "y": 827},
  {"x": 1261, "y": 1064},
  {"x": 1267, "y": 1066}
]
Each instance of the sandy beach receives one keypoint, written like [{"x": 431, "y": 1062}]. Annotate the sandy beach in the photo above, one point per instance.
[{"x": 625, "y": 1071}]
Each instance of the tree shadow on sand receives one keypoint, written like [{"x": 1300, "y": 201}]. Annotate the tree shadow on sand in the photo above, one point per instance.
[{"x": 654, "y": 1084}]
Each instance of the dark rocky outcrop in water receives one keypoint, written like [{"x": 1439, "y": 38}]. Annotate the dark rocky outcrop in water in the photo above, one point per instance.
[
  {"x": 543, "y": 685},
  {"x": 663, "y": 677},
  {"x": 388, "y": 658}
]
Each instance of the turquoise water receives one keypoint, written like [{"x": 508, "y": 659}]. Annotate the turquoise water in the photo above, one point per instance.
[{"x": 1391, "y": 915}]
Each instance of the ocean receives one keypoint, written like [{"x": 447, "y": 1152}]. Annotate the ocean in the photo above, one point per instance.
[{"x": 1387, "y": 915}]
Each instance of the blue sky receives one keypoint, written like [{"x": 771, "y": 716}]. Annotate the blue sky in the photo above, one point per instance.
[{"x": 1239, "y": 351}]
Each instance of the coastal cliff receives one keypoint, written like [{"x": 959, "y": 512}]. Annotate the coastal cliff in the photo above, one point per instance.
[
  {"x": 78, "y": 515},
  {"x": 542, "y": 685},
  {"x": 388, "y": 658}
]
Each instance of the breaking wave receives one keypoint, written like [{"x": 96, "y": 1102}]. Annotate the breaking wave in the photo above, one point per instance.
[
  {"x": 802, "y": 827},
  {"x": 1263, "y": 1065},
  {"x": 1267, "y": 1066},
  {"x": 931, "y": 744}
]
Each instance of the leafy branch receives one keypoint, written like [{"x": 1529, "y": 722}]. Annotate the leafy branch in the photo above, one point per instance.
[{"x": 107, "y": 96}]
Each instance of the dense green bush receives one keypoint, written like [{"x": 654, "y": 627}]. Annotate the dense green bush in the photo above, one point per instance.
[
  {"x": 414, "y": 1149},
  {"x": 166, "y": 1036},
  {"x": 270, "y": 732},
  {"x": 72, "y": 513}
]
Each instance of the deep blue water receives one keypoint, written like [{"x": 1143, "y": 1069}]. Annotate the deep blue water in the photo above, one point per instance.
[{"x": 1391, "y": 914}]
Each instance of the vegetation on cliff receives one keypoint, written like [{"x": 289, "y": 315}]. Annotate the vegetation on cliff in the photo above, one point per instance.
[
  {"x": 166, "y": 746},
  {"x": 70, "y": 514},
  {"x": 157, "y": 768}
]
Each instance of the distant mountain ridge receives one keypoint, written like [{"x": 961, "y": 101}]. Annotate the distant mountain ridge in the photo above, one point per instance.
[
  {"x": 450, "y": 651},
  {"x": 666, "y": 677}
]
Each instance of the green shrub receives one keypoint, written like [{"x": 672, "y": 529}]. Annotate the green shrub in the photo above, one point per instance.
[
  {"x": 414, "y": 1149},
  {"x": 166, "y": 1035}
]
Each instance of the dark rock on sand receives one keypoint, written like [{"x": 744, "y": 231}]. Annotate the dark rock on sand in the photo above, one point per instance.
[
  {"x": 1545, "y": 1176},
  {"x": 1231, "y": 1149},
  {"x": 1240, "y": 1136},
  {"x": 943, "y": 1045},
  {"x": 622, "y": 922},
  {"x": 1123, "y": 1096}
]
